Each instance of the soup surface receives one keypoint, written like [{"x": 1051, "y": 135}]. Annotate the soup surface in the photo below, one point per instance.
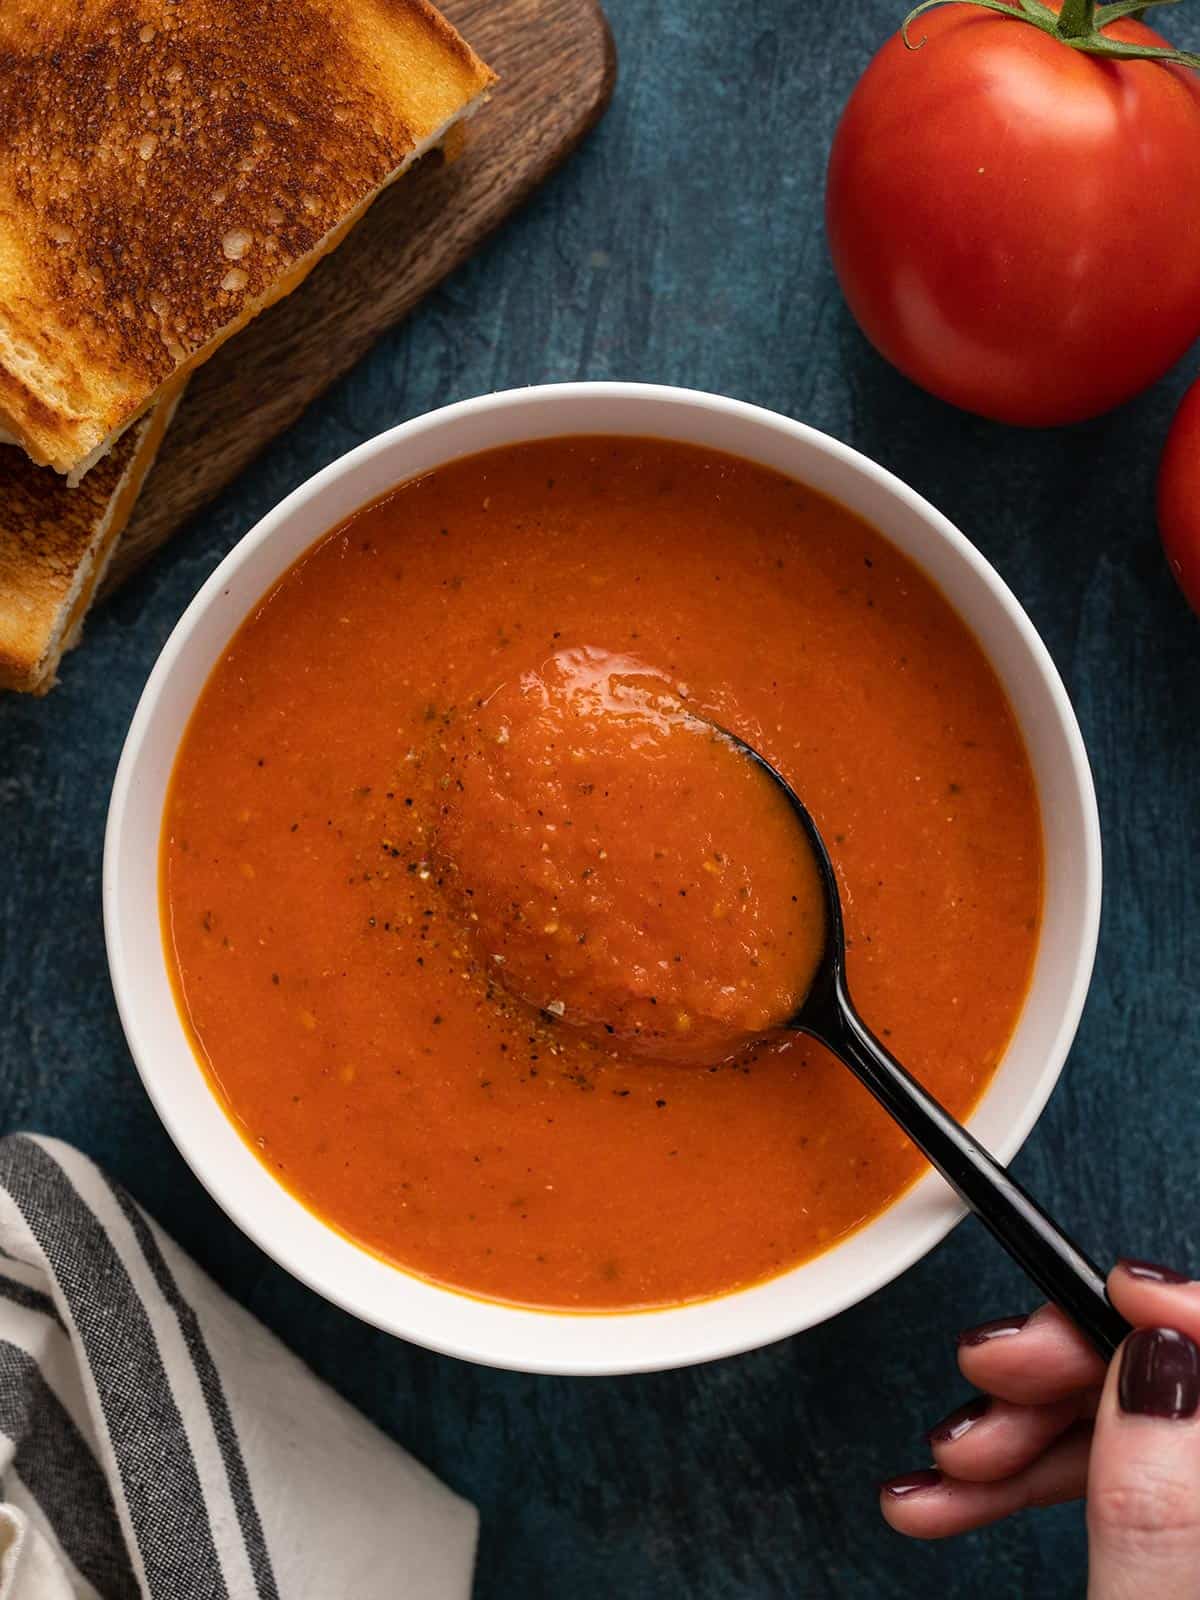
[{"x": 325, "y": 824}]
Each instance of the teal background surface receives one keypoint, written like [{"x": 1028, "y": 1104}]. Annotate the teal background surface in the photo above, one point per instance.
[{"x": 684, "y": 244}]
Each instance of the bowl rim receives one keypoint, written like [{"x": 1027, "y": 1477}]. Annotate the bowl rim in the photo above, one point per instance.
[{"x": 939, "y": 1215}]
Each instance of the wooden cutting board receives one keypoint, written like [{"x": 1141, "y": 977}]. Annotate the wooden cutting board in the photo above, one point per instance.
[{"x": 557, "y": 68}]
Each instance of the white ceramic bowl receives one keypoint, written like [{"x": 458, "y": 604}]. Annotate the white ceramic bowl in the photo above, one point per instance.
[{"x": 573, "y": 1343}]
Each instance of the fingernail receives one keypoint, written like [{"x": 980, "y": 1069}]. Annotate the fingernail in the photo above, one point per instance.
[
  {"x": 1160, "y": 1374},
  {"x": 958, "y": 1422},
  {"x": 911, "y": 1483},
  {"x": 1002, "y": 1328},
  {"x": 1151, "y": 1272}
]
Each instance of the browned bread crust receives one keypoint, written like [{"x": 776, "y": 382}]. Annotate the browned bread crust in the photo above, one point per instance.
[
  {"x": 56, "y": 542},
  {"x": 168, "y": 167}
]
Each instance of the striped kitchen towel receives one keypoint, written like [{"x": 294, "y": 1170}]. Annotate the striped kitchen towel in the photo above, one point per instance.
[{"x": 156, "y": 1441}]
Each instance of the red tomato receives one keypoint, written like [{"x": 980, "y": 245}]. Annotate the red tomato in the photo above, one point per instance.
[
  {"x": 1179, "y": 496},
  {"x": 1015, "y": 223}
]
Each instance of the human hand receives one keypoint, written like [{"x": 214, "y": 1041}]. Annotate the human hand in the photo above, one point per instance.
[{"x": 1052, "y": 1424}]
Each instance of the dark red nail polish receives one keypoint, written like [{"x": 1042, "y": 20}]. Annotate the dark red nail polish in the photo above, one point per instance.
[
  {"x": 956, "y": 1424},
  {"x": 1002, "y": 1328},
  {"x": 911, "y": 1483},
  {"x": 1151, "y": 1272},
  {"x": 1160, "y": 1374}
]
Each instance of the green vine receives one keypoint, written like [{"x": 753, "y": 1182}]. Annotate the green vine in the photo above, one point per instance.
[{"x": 1079, "y": 24}]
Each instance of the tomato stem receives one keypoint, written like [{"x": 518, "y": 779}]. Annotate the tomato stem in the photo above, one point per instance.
[
  {"x": 1079, "y": 24},
  {"x": 1077, "y": 19}
]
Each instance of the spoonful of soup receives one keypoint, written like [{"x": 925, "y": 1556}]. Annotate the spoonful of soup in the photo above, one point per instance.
[
  {"x": 644, "y": 876},
  {"x": 621, "y": 867}
]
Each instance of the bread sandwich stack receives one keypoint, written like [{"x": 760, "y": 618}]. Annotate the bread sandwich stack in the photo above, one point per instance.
[{"x": 168, "y": 169}]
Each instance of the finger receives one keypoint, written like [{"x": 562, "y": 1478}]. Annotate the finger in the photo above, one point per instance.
[
  {"x": 1151, "y": 1296},
  {"x": 929, "y": 1505},
  {"x": 990, "y": 1439},
  {"x": 1144, "y": 1493},
  {"x": 1033, "y": 1360},
  {"x": 1030, "y": 1361}
]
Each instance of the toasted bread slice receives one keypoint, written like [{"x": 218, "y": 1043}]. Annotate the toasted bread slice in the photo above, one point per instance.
[
  {"x": 56, "y": 543},
  {"x": 168, "y": 169}
]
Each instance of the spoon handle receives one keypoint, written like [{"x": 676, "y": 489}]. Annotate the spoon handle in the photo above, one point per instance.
[{"x": 1058, "y": 1267}]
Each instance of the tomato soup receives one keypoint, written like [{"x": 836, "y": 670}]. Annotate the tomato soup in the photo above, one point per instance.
[
  {"x": 623, "y": 865},
  {"x": 390, "y": 780}
]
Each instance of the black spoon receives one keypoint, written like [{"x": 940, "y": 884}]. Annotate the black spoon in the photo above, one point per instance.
[{"x": 826, "y": 1013}]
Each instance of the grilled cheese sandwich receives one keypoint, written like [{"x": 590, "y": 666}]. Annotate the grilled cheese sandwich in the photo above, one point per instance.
[
  {"x": 56, "y": 543},
  {"x": 169, "y": 168}
]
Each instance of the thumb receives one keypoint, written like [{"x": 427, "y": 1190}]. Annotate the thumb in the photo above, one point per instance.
[
  {"x": 1150, "y": 1296},
  {"x": 1144, "y": 1473}
]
